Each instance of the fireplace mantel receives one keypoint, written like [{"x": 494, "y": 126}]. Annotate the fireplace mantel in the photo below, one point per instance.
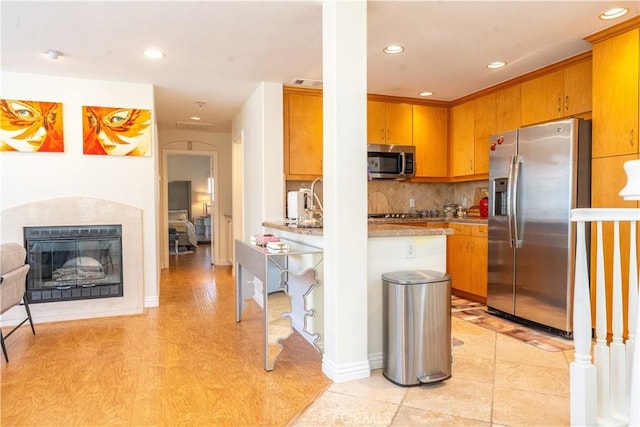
[{"x": 84, "y": 211}]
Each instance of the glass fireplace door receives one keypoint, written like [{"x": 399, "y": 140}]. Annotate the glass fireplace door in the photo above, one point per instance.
[{"x": 70, "y": 263}]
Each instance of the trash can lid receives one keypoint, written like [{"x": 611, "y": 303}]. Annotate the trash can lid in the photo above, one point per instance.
[{"x": 413, "y": 277}]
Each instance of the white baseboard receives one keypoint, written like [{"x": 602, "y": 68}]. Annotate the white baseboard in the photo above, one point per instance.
[
  {"x": 376, "y": 360},
  {"x": 345, "y": 372},
  {"x": 150, "y": 302}
]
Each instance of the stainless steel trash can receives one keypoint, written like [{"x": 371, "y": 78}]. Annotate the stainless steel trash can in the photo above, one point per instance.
[{"x": 416, "y": 335}]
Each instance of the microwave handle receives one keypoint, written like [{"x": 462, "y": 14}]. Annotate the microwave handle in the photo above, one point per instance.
[{"x": 403, "y": 169}]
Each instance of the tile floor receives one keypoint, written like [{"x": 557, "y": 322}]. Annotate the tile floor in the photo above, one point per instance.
[{"x": 496, "y": 381}]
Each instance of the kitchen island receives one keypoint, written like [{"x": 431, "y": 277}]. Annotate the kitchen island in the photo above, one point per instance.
[{"x": 392, "y": 246}]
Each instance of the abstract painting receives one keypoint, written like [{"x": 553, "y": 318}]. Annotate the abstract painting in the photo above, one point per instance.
[
  {"x": 116, "y": 131},
  {"x": 31, "y": 126}
]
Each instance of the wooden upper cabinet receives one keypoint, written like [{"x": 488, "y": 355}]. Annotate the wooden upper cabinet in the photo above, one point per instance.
[
  {"x": 389, "y": 123},
  {"x": 615, "y": 95},
  {"x": 430, "y": 139},
  {"x": 578, "y": 82},
  {"x": 462, "y": 140},
  {"x": 303, "y": 134},
  {"x": 508, "y": 109},
  {"x": 484, "y": 125},
  {"x": 376, "y": 123},
  {"x": 541, "y": 98},
  {"x": 558, "y": 94}
]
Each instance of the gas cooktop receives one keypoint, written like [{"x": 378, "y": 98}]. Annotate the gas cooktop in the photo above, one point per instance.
[{"x": 391, "y": 215}]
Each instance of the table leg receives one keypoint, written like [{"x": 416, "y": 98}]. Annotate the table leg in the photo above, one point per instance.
[{"x": 238, "y": 291}]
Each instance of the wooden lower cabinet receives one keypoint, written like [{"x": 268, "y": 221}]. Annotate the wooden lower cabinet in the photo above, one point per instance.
[
  {"x": 467, "y": 260},
  {"x": 608, "y": 179},
  {"x": 479, "y": 249}
]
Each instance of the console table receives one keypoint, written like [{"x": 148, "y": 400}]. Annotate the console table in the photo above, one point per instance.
[{"x": 282, "y": 275}]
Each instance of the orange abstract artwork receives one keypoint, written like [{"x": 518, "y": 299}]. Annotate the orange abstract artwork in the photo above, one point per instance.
[
  {"x": 116, "y": 131},
  {"x": 31, "y": 126}
]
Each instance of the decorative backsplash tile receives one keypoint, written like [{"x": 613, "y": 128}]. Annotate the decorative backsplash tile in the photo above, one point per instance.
[{"x": 395, "y": 195}]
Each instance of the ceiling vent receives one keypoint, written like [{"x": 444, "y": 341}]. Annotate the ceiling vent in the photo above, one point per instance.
[
  {"x": 203, "y": 127},
  {"x": 315, "y": 84}
]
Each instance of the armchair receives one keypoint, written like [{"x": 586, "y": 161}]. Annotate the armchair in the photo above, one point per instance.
[{"x": 13, "y": 273}]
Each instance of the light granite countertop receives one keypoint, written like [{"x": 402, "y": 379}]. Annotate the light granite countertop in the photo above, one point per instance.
[
  {"x": 420, "y": 220},
  {"x": 376, "y": 228}
]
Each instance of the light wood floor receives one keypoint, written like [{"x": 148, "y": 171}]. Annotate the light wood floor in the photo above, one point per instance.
[{"x": 184, "y": 363}]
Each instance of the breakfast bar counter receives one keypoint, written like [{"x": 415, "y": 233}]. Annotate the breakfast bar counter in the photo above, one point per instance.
[
  {"x": 392, "y": 245},
  {"x": 375, "y": 229}
]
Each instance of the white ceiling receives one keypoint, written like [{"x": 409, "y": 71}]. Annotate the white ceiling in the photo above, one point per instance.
[{"x": 218, "y": 51}]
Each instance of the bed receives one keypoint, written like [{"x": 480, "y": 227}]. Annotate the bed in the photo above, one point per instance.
[{"x": 186, "y": 231}]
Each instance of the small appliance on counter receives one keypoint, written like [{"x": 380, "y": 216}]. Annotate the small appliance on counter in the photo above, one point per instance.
[{"x": 297, "y": 203}]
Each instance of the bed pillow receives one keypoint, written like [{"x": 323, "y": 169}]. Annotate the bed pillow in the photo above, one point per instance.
[{"x": 181, "y": 215}]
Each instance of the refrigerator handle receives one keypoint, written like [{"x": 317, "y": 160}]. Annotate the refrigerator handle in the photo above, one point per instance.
[
  {"x": 517, "y": 161},
  {"x": 509, "y": 199}
]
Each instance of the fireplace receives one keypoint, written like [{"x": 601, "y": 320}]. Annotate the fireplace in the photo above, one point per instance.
[{"x": 73, "y": 262}]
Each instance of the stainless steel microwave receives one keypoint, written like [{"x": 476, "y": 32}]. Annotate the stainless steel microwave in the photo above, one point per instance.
[{"x": 391, "y": 161}]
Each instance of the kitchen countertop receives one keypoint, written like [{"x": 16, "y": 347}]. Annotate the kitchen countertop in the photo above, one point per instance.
[
  {"x": 420, "y": 220},
  {"x": 385, "y": 227}
]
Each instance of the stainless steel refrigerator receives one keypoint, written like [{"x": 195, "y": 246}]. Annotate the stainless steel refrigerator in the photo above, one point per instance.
[{"x": 537, "y": 174}]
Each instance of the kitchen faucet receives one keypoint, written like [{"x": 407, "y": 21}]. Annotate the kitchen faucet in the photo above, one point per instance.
[{"x": 313, "y": 195}]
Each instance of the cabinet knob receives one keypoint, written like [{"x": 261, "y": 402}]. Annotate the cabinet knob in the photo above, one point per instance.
[
  {"x": 566, "y": 103},
  {"x": 631, "y": 137},
  {"x": 559, "y": 104}
]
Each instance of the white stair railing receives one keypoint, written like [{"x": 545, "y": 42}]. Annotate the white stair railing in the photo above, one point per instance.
[{"x": 605, "y": 392}]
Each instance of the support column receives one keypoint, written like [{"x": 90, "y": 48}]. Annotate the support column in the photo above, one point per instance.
[{"x": 345, "y": 189}]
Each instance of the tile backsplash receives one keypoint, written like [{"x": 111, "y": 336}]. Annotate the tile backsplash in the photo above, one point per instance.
[
  {"x": 394, "y": 196},
  {"x": 427, "y": 196}
]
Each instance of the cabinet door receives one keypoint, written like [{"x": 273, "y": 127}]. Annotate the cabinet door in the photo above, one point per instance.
[
  {"x": 376, "y": 127},
  {"x": 577, "y": 88},
  {"x": 462, "y": 140},
  {"x": 541, "y": 98},
  {"x": 508, "y": 109},
  {"x": 305, "y": 134},
  {"x": 399, "y": 123},
  {"x": 609, "y": 179},
  {"x": 479, "y": 266},
  {"x": 615, "y": 95},
  {"x": 458, "y": 259},
  {"x": 484, "y": 125},
  {"x": 430, "y": 140}
]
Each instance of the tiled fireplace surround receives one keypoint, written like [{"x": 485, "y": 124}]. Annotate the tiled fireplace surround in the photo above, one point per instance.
[{"x": 84, "y": 211}]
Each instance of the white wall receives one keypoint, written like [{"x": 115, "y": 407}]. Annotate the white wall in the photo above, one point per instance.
[
  {"x": 29, "y": 177},
  {"x": 261, "y": 121}
]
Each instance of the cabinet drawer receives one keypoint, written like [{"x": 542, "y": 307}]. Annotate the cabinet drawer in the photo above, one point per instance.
[
  {"x": 460, "y": 229},
  {"x": 480, "y": 230}
]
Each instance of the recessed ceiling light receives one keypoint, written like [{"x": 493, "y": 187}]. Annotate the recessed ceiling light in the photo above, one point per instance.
[
  {"x": 425, "y": 93},
  {"x": 613, "y": 13},
  {"x": 393, "y": 48},
  {"x": 194, "y": 118},
  {"x": 53, "y": 54},
  {"x": 153, "y": 54},
  {"x": 496, "y": 64}
]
